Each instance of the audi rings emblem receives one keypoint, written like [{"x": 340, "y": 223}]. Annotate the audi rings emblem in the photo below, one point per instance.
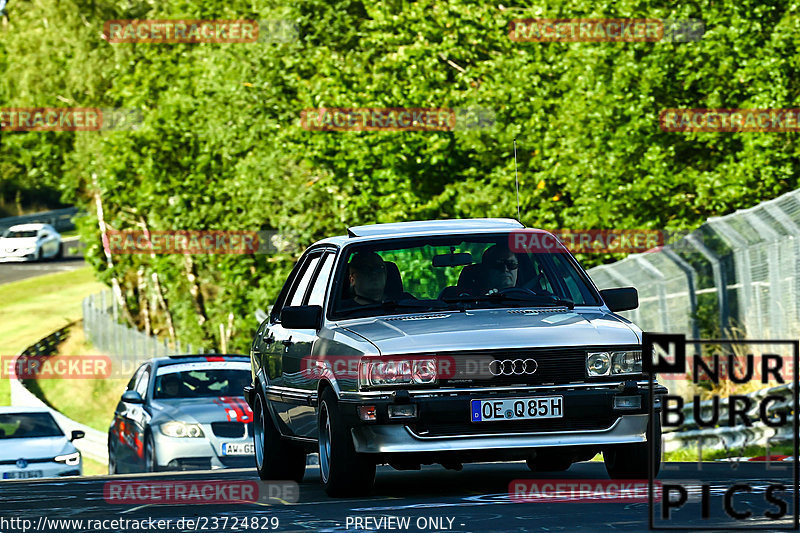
[{"x": 513, "y": 367}]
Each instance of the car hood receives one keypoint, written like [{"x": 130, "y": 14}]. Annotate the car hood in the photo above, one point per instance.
[
  {"x": 485, "y": 329},
  {"x": 34, "y": 448},
  {"x": 23, "y": 242},
  {"x": 203, "y": 410}
]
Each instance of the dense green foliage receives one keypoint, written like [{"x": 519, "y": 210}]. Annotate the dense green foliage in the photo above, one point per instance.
[{"x": 221, "y": 146}]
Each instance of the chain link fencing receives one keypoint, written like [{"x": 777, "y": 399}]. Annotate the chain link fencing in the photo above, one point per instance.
[
  {"x": 734, "y": 277},
  {"x": 126, "y": 346}
]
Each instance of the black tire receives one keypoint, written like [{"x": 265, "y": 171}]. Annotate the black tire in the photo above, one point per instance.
[
  {"x": 112, "y": 459},
  {"x": 343, "y": 472},
  {"x": 629, "y": 461},
  {"x": 275, "y": 457},
  {"x": 549, "y": 463},
  {"x": 60, "y": 253},
  {"x": 38, "y": 256},
  {"x": 150, "y": 457}
]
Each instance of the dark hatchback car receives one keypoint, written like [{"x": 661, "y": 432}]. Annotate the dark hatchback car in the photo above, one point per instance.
[{"x": 440, "y": 342}]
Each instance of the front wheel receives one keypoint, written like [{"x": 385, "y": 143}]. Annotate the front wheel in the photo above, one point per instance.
[
  {"x": 150, "y": 461},
  {"x": 275, "y": 457},
  {"x": 343, "y": 471},
  {"x": 630, "y": 461},
  {"x": 112, "y": 459}
]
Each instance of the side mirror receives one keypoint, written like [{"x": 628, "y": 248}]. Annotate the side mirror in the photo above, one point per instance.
[
  {"x": 77, "y": 434},
  {"x": 131, "y": 396},
  {"x": 301, "y": 317},
  {"x": 623, "y": 299}
]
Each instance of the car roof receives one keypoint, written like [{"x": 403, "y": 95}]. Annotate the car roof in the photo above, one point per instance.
[
  {"x": 5, "y": 410},
  {"x": 198, "y": 358},
  {"x": 423, "y": 227},
  {"x": 29, "y": 227}
]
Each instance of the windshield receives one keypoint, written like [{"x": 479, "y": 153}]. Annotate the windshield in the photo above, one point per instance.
[
  {"x": 27, "y": 425},
  {"x": 20, "y": 234},
  {"x": 454, "y": 272},
  {"x": 201, "y": 383}
]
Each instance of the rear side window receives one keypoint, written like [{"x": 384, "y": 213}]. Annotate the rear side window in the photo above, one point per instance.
[
  {"x": 296, "y": 298},
  {"x": 317, "y": 296}
]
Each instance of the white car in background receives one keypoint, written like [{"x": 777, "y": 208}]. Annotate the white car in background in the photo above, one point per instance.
[
  {"x": 32, "y": 445},
  {"x": 30, "y": 242}
]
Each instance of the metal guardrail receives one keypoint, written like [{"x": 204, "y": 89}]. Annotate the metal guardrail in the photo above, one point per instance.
[
  {"x": 60, "y": 219},
  {"x": 730, "y": 437},
  {"x": 94, "y": 443}
]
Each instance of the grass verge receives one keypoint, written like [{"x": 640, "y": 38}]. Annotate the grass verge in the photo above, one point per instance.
[
  {"x": 690, "y": 453},
  {"x": 35, "y": 307},
  {"x": 88, "y": 401}
]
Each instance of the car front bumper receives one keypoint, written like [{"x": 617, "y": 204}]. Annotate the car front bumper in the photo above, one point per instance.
[
  {"x": 35, "y": 470},
  {"x": 402, "y": 439},
  {"x": 443, "y": 423},
  {"x": 201, "y": 453}
]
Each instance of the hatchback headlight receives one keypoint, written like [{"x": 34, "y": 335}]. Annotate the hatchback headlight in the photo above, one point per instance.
[
  {"x": 614, "y": 363},
  {"x": 70, "y": 459},
  {"x": 176, "y": 428},
  {"x": 377, "y": 373}
]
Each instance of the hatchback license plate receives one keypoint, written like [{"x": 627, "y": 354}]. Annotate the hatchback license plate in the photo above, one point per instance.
[
  {"x": 237, "y": 448},
  {"x": 27, "y": 474},
  {"x": 533, "y": 408}
]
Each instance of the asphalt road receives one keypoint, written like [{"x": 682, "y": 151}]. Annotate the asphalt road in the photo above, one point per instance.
[
  {"x": 474, "y": 499},
  {"x": 17, "y": 271}
]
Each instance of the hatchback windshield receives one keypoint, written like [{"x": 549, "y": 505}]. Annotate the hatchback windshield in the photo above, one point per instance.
[
  {"x": 431, "y": 273},
  {"x": 28, "y": 425}
]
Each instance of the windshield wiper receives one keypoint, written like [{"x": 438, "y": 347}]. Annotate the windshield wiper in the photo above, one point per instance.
[
  {"x": 516, "y": 295},
  {"x": 391, "y": 305}
]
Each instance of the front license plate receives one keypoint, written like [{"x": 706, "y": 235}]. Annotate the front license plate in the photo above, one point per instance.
[
  {"x": 237, "y": 448},
  {"x": 28, "y": 474},
  {"x": 534, "y": 408}
]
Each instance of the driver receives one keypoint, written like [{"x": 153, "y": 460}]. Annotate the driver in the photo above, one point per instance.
[
  {"x": 367, "y": 278},
  {"x": 170, "y": 386},
  {"x": 499, "y": 269}
]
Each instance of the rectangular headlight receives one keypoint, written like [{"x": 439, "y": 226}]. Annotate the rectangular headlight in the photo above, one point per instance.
[
  {"x": 396, "y": 372},
  {"x": 614, "y": 363},
  {"x": 629, "y": 362}
]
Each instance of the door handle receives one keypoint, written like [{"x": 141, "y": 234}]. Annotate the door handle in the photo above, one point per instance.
[
  {"x": 287, "y": 342},
  {"x": 268, "y": 340}
]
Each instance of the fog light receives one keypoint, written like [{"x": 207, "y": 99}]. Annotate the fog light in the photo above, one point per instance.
[
  {"x": 627, "y": 402},
  {"x": 367, "y": 413},
  {"x": 408, "y": 410}
]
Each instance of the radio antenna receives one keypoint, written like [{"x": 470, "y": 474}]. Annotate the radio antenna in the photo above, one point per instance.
[{"x": 516, "y": 179}]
